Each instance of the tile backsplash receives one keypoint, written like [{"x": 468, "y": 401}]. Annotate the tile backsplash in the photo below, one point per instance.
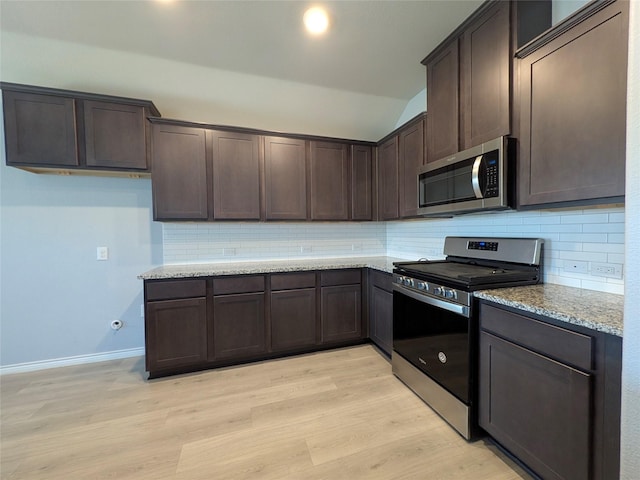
[{"x": 577, "y": 241}]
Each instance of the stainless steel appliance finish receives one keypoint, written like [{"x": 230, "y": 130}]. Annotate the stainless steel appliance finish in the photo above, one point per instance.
[
  {"x": 471, "y": 180},
  {"x": 434, "y": 322}
]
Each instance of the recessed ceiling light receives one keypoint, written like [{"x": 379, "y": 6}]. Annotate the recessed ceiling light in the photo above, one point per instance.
[{"x": 316, "y": 20}]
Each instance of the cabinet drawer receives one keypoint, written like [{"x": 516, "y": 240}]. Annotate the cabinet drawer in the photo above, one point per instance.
[
  {"x": 290, "y": 281},
  {"x": 558, "y": 343},
  {"x": 167, "y": 290},
  {"x": 340, "y": 277},
  {"x": 245, "y": 284},
  {"x": 381, "y": 280}
]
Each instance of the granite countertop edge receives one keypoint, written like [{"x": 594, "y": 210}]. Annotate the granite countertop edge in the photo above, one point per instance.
[
  {"x": 595, "y": 310},
  {"x": 382, "y": 263}
]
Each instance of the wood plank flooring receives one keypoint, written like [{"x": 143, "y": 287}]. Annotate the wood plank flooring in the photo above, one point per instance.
[{"x": 339, "y": 414}]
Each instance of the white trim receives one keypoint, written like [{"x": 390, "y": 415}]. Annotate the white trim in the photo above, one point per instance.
[{"x": 66, "y": 361}]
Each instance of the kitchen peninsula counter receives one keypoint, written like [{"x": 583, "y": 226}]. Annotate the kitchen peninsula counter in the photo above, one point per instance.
[
  {"x": 592, "y": 309},
  {"x": 381, "y": 263}
]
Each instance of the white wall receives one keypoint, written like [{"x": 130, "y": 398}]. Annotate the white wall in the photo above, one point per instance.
[
  {"x": 631, "y": 344},
  {"x": 416, "y": 105}
]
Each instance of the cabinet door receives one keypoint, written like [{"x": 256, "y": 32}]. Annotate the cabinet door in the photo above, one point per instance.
[
  {"x": 40, "y": 129},
  {"x": 285, "y": 178},
  {"x": 411, "y": 158},
  {"x": 293, "y": 318},
  {"x": 236, "y": 176},
  {"x": 361, "y": 183},
  {"x": 115, "y": 135},
  {"x": 381, "y": 319},
  {"x": 179, "y": 173},
  {"x": 485, "y": 63},
  {"x": 238, "y": 325},
  {"x": 341, "y": 313},
  {"x": 176, "y": 333},
  {"x": 573, "y": 113},
  {"x": 443, "y": 103},
  {"x": 537, "y": 408},
  {"x": 329, "y": 169},
  {"x": 388, "y": 179}
]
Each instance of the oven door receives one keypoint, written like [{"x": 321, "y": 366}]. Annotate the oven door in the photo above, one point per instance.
[{"x": 434, "y": 336}]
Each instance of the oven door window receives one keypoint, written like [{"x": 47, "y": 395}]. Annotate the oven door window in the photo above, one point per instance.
[{"x": 435, "y": 341}]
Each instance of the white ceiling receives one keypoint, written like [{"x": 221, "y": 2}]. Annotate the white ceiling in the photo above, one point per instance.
[{"x": 374, "y": 47}]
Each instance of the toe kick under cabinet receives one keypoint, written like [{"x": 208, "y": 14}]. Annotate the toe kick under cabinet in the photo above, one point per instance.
[
  {"x": 549, "y": 393},
  {"x": 199, "y": 323}
]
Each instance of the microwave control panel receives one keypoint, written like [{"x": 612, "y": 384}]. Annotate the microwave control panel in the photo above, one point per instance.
[{"x": 492, "y": 176}]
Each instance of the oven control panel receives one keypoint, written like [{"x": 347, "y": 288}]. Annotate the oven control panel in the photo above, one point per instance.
[{"x": 433, "y": 290}]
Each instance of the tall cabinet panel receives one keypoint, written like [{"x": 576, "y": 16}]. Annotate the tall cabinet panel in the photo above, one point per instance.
[
  {"x": 388, "y": 179},
  {"x": 236, "y": 176},
  {"x": 179, "y": 180},
  {"x": 361, "y": 182},
  {"x": 442, "y": 102},
  {"x": 285, "y": 178},
  {"x": 411, "y": 157},
  {"x": 485, "y": 75},
  {"x": 329, "y": 169}
]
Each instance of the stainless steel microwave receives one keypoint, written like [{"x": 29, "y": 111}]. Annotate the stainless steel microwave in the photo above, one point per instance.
[{"x": 472, "y": 180}]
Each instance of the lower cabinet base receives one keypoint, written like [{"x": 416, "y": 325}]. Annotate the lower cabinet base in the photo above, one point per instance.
[{"x": 249, "y": 359}]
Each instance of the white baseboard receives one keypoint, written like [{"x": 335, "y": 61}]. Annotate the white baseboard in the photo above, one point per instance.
[{"x": 66, "y": 361}]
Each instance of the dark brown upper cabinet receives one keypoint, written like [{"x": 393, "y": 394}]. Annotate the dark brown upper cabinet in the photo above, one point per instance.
[
  {"x": 442, "y": 101},
  {"x": 411, "y": 156},
  {"x": 388, "y": 179},
  {"x": 236, "y": 175},
  {"x": 285, "y": 173},
  {"x": 573, "y": 112},
  {"x": 115, "y": 135},
  {"x": 40, "y": 130},
  {"x": 469, "y": 75},
  {"x": 51, "y": 130},
  {"x": 361, "y": 182},
  {"x": 400, "y": 156},
  {"x": 329, "y": 174},
  {"x": 179, "y": 179}
]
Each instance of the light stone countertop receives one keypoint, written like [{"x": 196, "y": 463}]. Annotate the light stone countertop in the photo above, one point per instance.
[
  {"x": 599, "y": 311},
  {"x": 384, "y": 264}
]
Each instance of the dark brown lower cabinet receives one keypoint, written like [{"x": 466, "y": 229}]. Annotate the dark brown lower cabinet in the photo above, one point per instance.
[
  {"x": 176, "y": 333},
  {"x": 381, "y": 310},
  {"x": 293, "y": 319},
  {"x": 341, "y": 305},
  {"x": 238, "y": 325},
  {"x": 547, "y": 392}
]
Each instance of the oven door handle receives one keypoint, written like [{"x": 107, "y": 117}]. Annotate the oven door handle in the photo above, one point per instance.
[{"x": 436, "y": 302}]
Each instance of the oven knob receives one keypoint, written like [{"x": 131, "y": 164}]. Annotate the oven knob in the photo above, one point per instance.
[
  {"x": 423, "y": 286},
  {"x": 439, "y": 291},
  {"x": 400, "y": 280},
  {"x": 450, "y": 294},
  {"x": 409, "y": 282}
]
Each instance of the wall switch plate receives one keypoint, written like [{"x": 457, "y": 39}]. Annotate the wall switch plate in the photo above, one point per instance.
[
  {"x": 576, "y": 266},
  {"x": 610, "y": 270},
  {"x": 102, "y": 253}
]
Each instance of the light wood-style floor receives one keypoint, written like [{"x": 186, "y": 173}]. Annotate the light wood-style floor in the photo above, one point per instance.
[{"x": 339, "y": 414}]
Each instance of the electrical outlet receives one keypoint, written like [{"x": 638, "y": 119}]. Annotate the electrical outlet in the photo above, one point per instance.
[
  {"x": 228, "y": 252},
  {"x": 102, "y": 253},
  {"x": 305, "y": 249},
  {"x": 356, "y": 247},
  {"x": 610, "y": 270},
  {"x": 576, "y": 267}
]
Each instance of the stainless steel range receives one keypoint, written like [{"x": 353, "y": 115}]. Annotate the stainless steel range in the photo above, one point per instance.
[{"x": 435, "y": 328}]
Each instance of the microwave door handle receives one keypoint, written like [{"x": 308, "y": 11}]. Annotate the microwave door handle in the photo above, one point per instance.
[{"x": 475, "y": 176}]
